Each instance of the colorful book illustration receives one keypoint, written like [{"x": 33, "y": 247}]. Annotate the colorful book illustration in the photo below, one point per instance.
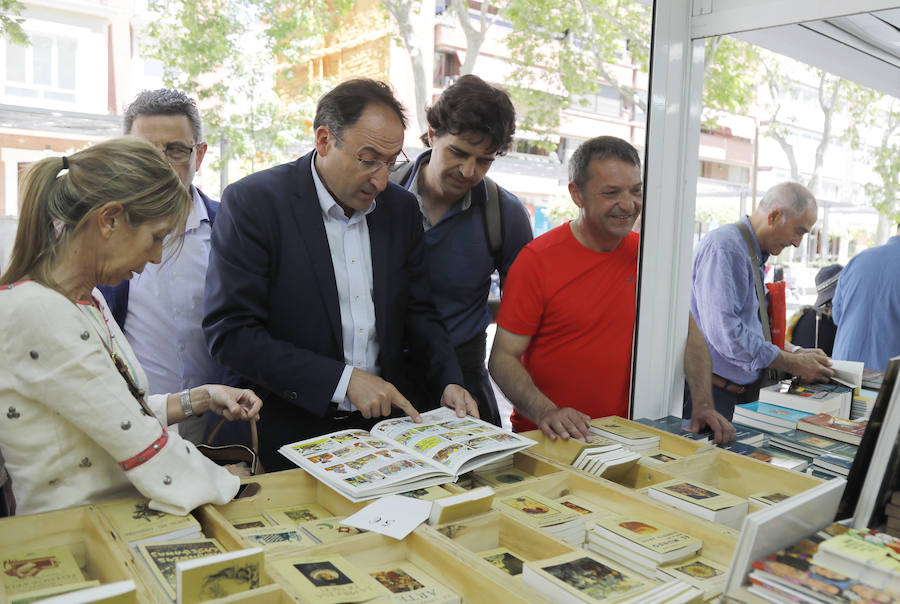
[
  {"x": 275, "y": 539},
  {"x": 534, "y": 509},
  {"x": 327, "y": 579},
  {"x": 504, "y": 559},
  {"x": 297, "y": 514},
  {"x": 701, "y": 500},
  {"x": 25, "y": 571},
  {"x": 218, "y": 576},
  {"x": 398, "y": 455},
  {"x": 583, "y": 576},
  {"x": 768, "y": 497},
  {"x": 698, "y": 571},
  {"x": 409, "y": 583},
  {"x": 162, "y": 556},
  {"x": 844, "y": 430},
  {"x": 651, "y": 539},
  {"x": 251, "y": 522}
]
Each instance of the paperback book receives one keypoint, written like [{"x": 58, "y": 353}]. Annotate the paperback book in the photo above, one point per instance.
[
  {"x": 678, "y": 426},
  {"x": 276, "y": 539},
  {"x": 162, "y": 556},
  {"x": 137, "y": 523},
  {"x": 766, "y": 498},
  {"x": 327, "y": 579},
  {"x": 296, "y": 515},
  {"x": 703, "y": 573},
  {"x": 454, "y": 507},
  {"x": 651, "y": 539},
  {"x": 25, "y": 571},
  {"x": 409, "y": 583},
  {"x": 870, "y": 556},
  {"x": 218, "y": 576},
  {"x": 328, "y": 530},
  {"x": 615, "y": 429},
  {"x": 535, "y": 509},
  {"x": 831, "y": 398},
  {"x": 398, "y": 455},
  {"x": 120, "y": 592},
  {"x": 581, "y": 577},
  {"x": 38, "y": 595},
  {"x": 835, "y": 428},
  {"x": 769, "y": 414},
  {"x": 811, "y": 445},
  {"x": 701, "y": 500},
  {"x": 504, "y": 559}
]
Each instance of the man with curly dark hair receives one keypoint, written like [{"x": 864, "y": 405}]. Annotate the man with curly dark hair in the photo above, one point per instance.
[{"x": 472, "y": 226}]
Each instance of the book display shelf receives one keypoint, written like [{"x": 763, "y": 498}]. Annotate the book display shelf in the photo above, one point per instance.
[{"x": 478, "y": 557}]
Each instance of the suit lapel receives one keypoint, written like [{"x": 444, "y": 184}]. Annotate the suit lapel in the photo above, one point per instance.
[
  {"x": 378, "y": 241},
  {"x": 311, "y": 228}
]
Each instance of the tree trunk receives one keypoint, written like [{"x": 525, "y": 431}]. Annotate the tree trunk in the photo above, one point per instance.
[{"x": 401, "y": 11}]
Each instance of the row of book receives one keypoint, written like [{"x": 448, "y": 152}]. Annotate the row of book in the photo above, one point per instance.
[
  {"x": 835, "y": 565},
  {"x": 775, "y": 419}
]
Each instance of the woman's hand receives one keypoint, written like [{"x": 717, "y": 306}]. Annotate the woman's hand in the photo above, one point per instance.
[{"x": 233, "y": 403}]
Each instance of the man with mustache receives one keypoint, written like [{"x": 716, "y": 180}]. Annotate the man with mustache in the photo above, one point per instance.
[
  {"x": 470, "y": 125},
  {"x": 725, "y": 302},
  {"x": 562, "y": 353},
  {"x": 316, "y": 279}
]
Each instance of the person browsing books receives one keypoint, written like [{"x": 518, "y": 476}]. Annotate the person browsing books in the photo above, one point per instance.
[
  {"x": 562, "y": 353},
  {"x": 470, "y": 125},
  {"x": 317, "y": 284},
  {"x": 725, "y": 302},
  {"x": 75, "y": 426}
]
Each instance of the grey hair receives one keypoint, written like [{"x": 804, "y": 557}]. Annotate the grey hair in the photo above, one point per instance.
[
  {"x": 792, "y": 197},
  {"x": 600, "y": 148},
  {"x": 165, "y": 101}
]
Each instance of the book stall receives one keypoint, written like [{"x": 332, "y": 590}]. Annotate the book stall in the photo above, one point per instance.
[{"x": 647, "y": 512}]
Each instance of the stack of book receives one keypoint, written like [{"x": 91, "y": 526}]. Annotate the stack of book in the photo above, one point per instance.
[
  {"x": 564, "y": 521},
  {"x": 749, "y": 436},
  {"x": 863, "y": 401},
  {"x": 701, "y": 500},
  {"x": 678, "y": 426},
  {"x": 869, "y": 556},
  {"x": 832, "y": 398},
  {"x": 454, "y": 507},
  {"x": 635, "y": 439},
  {"x": 796, "y": 574},
  {"x": 768, "y": 417},
  {"x": 606, "y": 460},
  {"x": 892, "y": 514},
  {"x": 643, "y": 544},
  {"x": 768, "y": 455},
  {"x": 310, "y": 522},
  {"x": 581, "y": 577},
  {"x": 704, "y": 574},
  {"x": 332, "y": 578},
  {"x": 835, "y": 428},
  {"x": 810, "y": 446},
  {"x": 136, "y": 523},
  {"x": 162, "y": 556}
]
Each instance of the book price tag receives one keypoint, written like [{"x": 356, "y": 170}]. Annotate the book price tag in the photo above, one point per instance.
[{"x": 392, "y": 515}]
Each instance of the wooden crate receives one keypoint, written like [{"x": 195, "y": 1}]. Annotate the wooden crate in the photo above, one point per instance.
[
  {"x": 430, "y": 551},
  {"x": 533, "y": 465},
  {"x": 491, "y": 531},
  {"x": 86, "y": 533}
]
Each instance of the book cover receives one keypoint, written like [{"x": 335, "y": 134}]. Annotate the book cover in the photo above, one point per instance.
[
  {"x": 502, "y": 478},
  {"x": 329, "y": 530},
  {"x": 676, "y": 425},
  {"x": 327, "y": 579},
  {"x": 27, "y": 597},
  {"x": 815, "y": 444},
  {"x": 297, "y": 514},
  {"x": 810, "y": 398},
  {"x": 618, "y": 430},
  {"x": 653, "y": 539},
  {"x": 504, "y": 559},
  {"x": 773, "y": 414},
  {"x": 251, "y": 522},
  {"x": 870, "y": 556},
  {"x": 698, "y": 493},
  {"x": 275, "y": 539},
  {"x": 409, "y": 583},
  {"x": 162, "y": 556},
  {"x": 659, "y": 457},
  {"x": 218, "y": 576},
  {"x": 135, "y": 521},
  {"x": 38, "y": 569},
  {"x": 703, "y": 573},
  {"x": 398, "y": 455},
  {"x": 535, "y": 510},
  {"x": 120, "y": 592},
  {"x": 582, "y": 575},
  {"x": 769, "y": 497},
  {"x": 836, "y": 428},
  {"x": 582, "y": 506}
]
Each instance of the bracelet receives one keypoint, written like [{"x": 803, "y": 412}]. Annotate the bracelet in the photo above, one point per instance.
[{"x": 186, "y": 403}]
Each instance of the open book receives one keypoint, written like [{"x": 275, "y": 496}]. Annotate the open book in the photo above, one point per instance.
[{"x": 398, "y": 455}]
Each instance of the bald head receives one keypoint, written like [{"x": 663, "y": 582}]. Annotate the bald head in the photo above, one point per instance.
[{"x": 786, "y": 213}]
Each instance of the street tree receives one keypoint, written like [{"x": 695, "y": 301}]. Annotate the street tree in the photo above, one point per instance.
[{"x": 11, "y": 21}]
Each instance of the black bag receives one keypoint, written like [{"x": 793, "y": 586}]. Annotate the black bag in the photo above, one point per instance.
[{"x": 225, "y": 455}]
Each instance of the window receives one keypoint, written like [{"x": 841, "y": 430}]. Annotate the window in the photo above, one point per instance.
[
  {"x": 605, "y": 101},
  {"x": 727, "y": 172},
  {"x": 43, "y": 70}
]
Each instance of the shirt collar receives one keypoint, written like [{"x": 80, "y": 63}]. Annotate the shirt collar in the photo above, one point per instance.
[
  {"x": 763, "y": 256},
  {"x": 198, "y": 211},
  {"x": 330, "y": 207},
  {"x": 464, "y": 204}
]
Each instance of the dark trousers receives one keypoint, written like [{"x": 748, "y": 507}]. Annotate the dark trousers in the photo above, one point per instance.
[
  {"x": 723, "y": 400},
  {"x": 476, "y": 379}
]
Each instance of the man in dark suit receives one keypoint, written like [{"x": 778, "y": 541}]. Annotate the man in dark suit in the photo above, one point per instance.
[{"x": 316, "y": 280}]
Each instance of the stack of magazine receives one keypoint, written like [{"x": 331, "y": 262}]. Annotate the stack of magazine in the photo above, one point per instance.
[{"x": 399, "y": 455}]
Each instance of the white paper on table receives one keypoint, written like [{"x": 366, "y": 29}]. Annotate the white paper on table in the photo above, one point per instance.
[{"x": 392, "y": 515}]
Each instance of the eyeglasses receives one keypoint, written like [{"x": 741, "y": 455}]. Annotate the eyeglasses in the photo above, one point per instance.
[
  {"x": 178, "y": 154},
  {"x": 370, "y": 166}
]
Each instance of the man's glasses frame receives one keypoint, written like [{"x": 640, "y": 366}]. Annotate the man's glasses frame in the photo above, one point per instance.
[
  {"x": 178, "y": 154},
  {"x": 370, "y": 166}
]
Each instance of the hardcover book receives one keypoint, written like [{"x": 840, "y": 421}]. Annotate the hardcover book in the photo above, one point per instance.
[
  {"x": 162, "y": 556},
  {"x": 38, "y": 569},
  {"x": 836, "y": 428},
  {"x": 580, "y": 577},
  {"x": 136, "y": 522},
  {"x": 652, "y": 539},
  {"x": 218, "y": 576},
  {"x": 398, "y": 455},
  {"x": 409, "y": 583},
  {"x": 328, "y": 579},
  {"x": 504, "y": 559}
]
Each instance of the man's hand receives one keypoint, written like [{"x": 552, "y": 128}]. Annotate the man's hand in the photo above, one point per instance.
[
  {"x": 723, "y": 431},
  {"x": 566, "y": 423},
  {"x": 457, "y": 397},
  {"x": 374, "y": 396},
  {"x": 809, "y": 364}
]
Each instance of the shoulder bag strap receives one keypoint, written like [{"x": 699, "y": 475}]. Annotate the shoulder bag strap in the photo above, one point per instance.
[
  {"x": 754, "y": 261},
  {"x": 493, "y": 221}
]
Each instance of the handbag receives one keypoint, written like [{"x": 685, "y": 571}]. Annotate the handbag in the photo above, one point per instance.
[{"x": 225, "y": 455}]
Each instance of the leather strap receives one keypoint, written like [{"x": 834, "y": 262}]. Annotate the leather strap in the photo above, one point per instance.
[
  {"x": 760, "y": 292},
  {"x": 254, "y": 435},
  {"x": 719, "y": 382},
  {"x": 146, "y": 454}
]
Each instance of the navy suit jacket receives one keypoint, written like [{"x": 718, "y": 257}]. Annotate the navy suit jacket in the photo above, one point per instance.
[
  {"x": 271, "y": 305},
  {"x": 117, "y": 296}
]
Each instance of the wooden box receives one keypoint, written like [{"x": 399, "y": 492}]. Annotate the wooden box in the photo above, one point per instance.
[{"x": 86, "y": 533}]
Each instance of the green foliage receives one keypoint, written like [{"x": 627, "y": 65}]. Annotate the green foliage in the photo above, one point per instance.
[
  {"x": 732, "y": 69},
  {"x": 229, "y": 54},
  {"x": 11, "y": 22}
]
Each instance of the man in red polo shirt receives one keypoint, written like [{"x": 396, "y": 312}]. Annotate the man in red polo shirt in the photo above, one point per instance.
[{"x": 562, "y": 353}]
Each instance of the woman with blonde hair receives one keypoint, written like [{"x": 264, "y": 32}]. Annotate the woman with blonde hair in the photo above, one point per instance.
[{"x": 75, "y": 426}]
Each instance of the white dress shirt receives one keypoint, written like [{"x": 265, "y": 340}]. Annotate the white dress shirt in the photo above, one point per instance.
[{"x": 351, "y": 256}]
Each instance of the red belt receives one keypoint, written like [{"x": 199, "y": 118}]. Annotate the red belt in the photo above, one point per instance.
[
  {"x": 719, "y": 382},
  {"x": 146, "y": 454}
]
